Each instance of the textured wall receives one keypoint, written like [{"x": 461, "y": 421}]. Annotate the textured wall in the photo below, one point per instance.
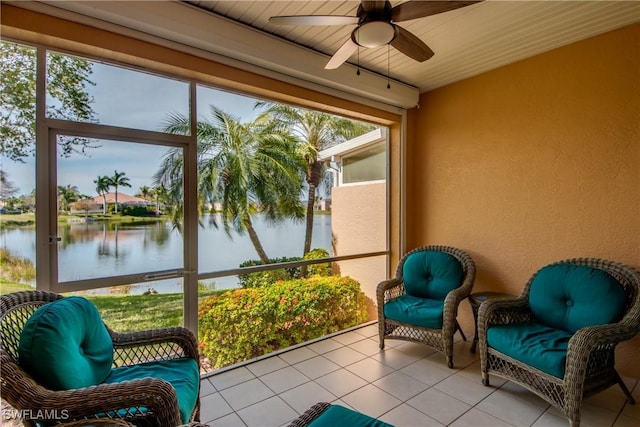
[
  {"x": 358, "y": 218},
  {"x": 533, "y": 162}
]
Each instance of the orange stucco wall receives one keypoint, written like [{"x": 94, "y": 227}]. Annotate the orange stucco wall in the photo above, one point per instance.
[{"x": 533, "y": 162}]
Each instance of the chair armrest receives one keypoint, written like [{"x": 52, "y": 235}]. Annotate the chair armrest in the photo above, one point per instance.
[
  {"x": 154, "y": 344},
  {"x": 503, "y": 311},
  {"x": 389, "y": 289}
]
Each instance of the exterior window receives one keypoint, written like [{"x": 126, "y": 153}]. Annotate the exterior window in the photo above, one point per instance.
[{"x": 367, "y": 165}]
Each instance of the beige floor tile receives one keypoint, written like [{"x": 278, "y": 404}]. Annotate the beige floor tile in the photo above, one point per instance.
[
  {"x": 246, "y": 394},
  {"x": 267, "y": 365},
  {"x": 231, "y": 420},
  {"x": 407, "y": 416},
  {"x": 298, "y": 355},
  {"x": 206, "y": 387},
  {"x": 463, "y": 389},
  {"x": 306, "y": 395},
  {"x": 284, "y": 379},
  {"x": 324, "y": 346},
  {"x": 370, "y": 369},
  {"x": 341, "y": 382},
  {"x": 348, "y": 338},
  {"x": 625, "y": 421},
  {"x": 230, "y": 378},
  {"x": 213, "y": 407},
  {"x": 415, "y": 349},
  {"x": 396, "y": 358},
  {"x": 519, "y": 392},
  {"x": 400, "y": 385},
  {"x": 368, "y": 347},
  {"x": 427, "y": 372},
  {"x": 371, "y": 400},
  {"x": 370, "y": 331},
  {"x": 477, "y": 418},
  {"x": 511, "y": 409},
  {"x": 316, "y": 367},
  {"x": 344, "y": 356},
  {"x": 439, "y": 406},
  {"x": 270, "y": 412},
  {"x": 550, "y": 419}
]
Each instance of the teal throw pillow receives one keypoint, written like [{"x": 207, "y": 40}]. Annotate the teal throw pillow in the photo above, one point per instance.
[
  {"x": 64, "y": 345},
  {"x": 431, "y": 274}
]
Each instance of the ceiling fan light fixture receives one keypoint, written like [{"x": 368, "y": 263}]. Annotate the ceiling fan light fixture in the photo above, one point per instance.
[{"x": 374, "y": 34}]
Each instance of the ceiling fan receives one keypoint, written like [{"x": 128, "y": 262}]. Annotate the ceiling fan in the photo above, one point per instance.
[{"x": 376, "y": 26}]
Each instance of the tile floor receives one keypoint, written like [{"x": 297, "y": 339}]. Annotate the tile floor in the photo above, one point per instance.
[{"x": 405, "y": 385}]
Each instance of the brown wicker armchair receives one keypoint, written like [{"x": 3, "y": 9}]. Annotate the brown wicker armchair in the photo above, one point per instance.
[
  {"x": 146, "y": 401},
  {"x": 415, "y": 274},
  {"x": 585, "y": 357}
]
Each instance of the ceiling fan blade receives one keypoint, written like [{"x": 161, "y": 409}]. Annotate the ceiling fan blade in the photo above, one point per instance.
[
  {"x": 313, "y": 20},
  {"x": 411, "y": 45},
  {"x": 420, "y": 9},
  {"x": 338, "y": 58}
]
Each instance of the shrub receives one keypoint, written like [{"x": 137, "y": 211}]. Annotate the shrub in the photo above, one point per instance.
[
  {"x": 246, "y": 323},
  {"x": 323, "y": 269},
  {"x": 262, "y": 278}
]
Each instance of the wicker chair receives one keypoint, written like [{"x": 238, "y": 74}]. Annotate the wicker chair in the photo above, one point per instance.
[
  {"x": 589, "y": 366},
  {"x": 438, "y": 338},
  {"x": 147, "y": 401}
]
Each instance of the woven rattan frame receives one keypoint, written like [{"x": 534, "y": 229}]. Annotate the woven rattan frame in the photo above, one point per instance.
[
  {"x": 590, "y": 355},
  {"x": 156, "y": 396},
  {"x": 440, "y": 339},
  {"x": 310, "y": 415}
]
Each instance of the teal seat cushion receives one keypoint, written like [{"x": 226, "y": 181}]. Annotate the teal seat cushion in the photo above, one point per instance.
[
  {"x": 336, "y": 415},
  {"x": 415, "y": 311},
  {"x": 182, "y": 374},
  {"x": 65, "y": 345},
  {"x": 534, "y": 344},
  {"x": 431, "y": 274},
  {"x": 570, "y": 297}
]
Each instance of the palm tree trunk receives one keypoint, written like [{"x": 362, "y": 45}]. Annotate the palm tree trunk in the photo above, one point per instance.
[
  {"x": 116, "y": 187},
  {"x": 255, "y": 240},
  {"x": 104, "y": 204},
  {"x": 308, "y": 233}
]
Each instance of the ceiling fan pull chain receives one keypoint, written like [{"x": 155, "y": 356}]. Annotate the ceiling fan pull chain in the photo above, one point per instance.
[
  {"x": 388, "y": 66},
  {"x": 358, "y": 72}
]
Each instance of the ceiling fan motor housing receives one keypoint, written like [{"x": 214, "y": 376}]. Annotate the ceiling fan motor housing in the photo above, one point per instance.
[{"x": 374, "y": 27}]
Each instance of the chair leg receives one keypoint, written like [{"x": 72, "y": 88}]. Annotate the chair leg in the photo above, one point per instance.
[
  {"x": 625, "y": 390},
  {"x": 458, "y": 328},
  {"x": 485, "y": 379}
]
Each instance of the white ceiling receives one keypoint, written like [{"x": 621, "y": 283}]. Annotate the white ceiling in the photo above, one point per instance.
[{"x": 466, "y": 41}]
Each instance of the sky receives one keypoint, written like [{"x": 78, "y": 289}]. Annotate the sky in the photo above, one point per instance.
[{"x": 129, "y": 99}]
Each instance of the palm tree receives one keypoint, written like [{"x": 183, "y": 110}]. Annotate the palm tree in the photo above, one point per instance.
[
  {"x": 144, "y": 192},
  {"x": 67, "y": 194},
  {"x": 102, "y": 188},
  {"x": 249, "y": 168},
  {"x": 118, "y": 180},
  {"x": 313, "y": 131}
]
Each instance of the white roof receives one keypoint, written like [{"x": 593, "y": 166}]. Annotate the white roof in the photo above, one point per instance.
[{"x": 355, "y": 144}]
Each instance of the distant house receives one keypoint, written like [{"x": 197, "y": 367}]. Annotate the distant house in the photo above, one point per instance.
[{"x": 123, "y": 200}]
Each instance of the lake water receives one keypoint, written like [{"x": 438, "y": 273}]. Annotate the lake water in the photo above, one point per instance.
[{"x": 91, "y": 250}]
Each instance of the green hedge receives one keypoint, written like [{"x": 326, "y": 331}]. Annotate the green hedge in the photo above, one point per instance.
[
  {"x": 253, "y": 280},
  {"x": 246, "y": 323}
]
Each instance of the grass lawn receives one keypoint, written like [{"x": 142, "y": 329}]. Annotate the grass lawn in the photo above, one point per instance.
[{"x": 129, "y": 313}]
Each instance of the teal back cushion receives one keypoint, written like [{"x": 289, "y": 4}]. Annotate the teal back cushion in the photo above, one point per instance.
[
  {"x": 431, "y": 274},
  {"x": 570, "y": 297},
  {"x": 65, "y": 345}
]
